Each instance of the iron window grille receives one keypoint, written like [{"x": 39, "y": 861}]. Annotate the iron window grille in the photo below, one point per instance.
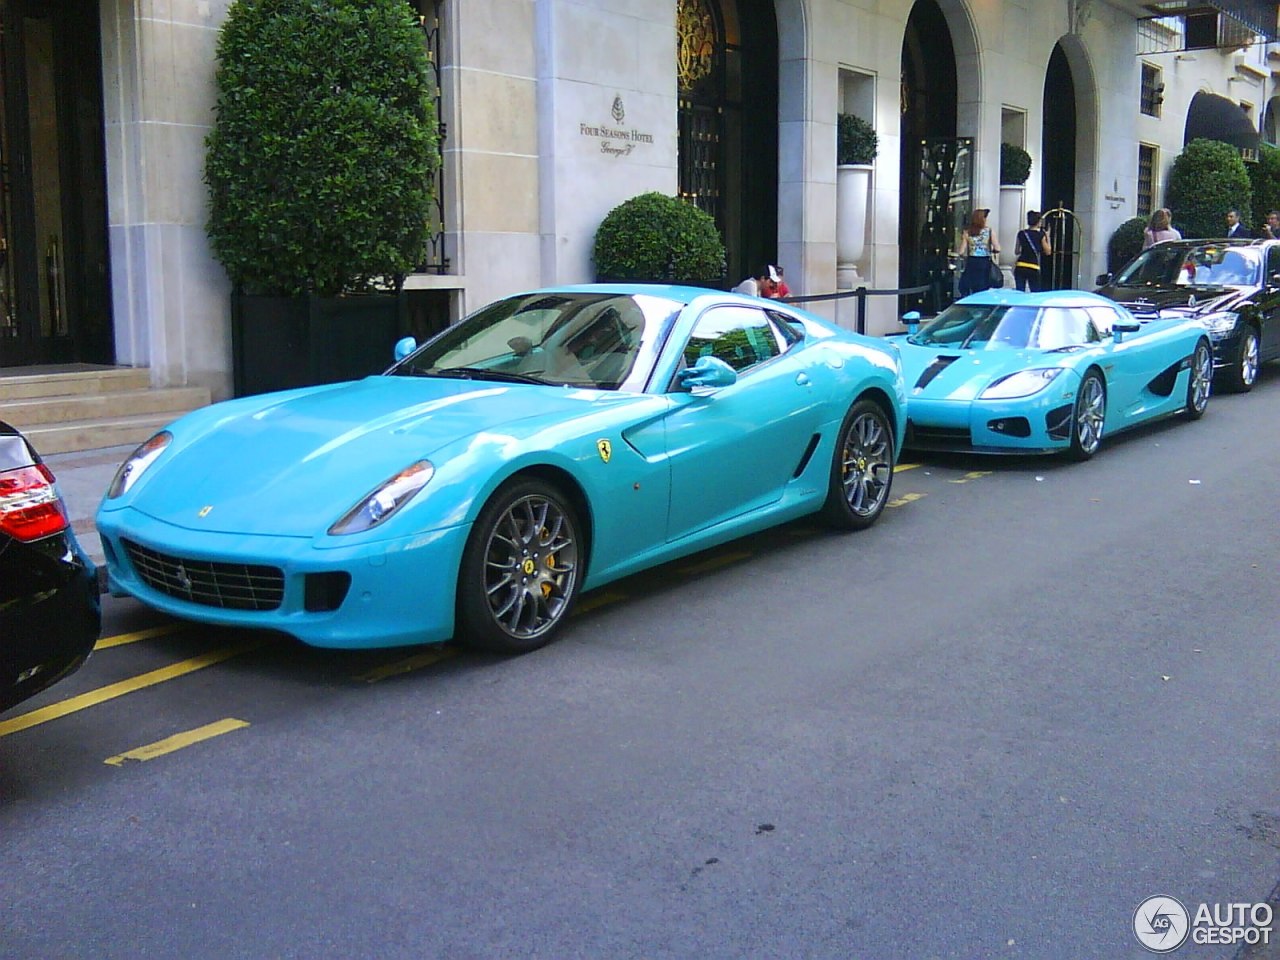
[
  {"x": 430, "y": 16},
  {"x": 1146, "y": 179}
]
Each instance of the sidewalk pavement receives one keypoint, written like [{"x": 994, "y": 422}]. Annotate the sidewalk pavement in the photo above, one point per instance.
[{"x": 83, "y": 479}]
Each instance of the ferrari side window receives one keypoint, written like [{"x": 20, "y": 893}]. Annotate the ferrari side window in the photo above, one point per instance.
[{"x": 740, "y": 336}]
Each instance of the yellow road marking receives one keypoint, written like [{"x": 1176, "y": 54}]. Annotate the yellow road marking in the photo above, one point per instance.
[
  {"x": 972, "y": 475},
  {"x": 177, "y": 741},
  {"x": 905, "y": 466},
  {"x": 597, "y": 601},
  {"x": 106, "y": 643},
  {"x": 714, "y": 563},
  {"x": 409, "y": 664},
  {"x": 906, "y": 498},
  {"x": 119, "y": 689}
]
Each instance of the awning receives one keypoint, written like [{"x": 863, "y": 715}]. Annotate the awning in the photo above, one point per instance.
[{"x": 1217, "y": 118}]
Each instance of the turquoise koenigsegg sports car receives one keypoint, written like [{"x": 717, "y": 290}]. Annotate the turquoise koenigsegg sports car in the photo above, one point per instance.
[
  {"x": 1008, "y": 372},
  {"x": 551, "y": 442}
]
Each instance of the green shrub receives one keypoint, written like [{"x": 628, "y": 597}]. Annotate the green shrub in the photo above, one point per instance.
[
  {"x": 1207, "y": 179},
  {"x": 1015, "y": 164},
  {"x": 321, "y": 159},
  {"x": 1264, "y": 178},
  {"x": 1125, "y": 243},
  {"x": 659, "y": 238},
  {"x": 856, "y": 140}
]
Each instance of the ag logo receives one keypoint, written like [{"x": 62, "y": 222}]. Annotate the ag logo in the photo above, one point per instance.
[
  {"x": 605, "y": 448},
  {"x": 1161, "y": 924}
]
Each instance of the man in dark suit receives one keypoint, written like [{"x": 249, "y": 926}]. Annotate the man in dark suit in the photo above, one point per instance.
[{"x": 1234, "y": 227}]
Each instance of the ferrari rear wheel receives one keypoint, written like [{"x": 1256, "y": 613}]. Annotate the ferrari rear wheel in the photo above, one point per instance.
[
  {"x": 1089, "y": 417},
  {"x": 521, "y": 569},
  {"x": 1239, "y": 375},
  {"x": 861, "y": 469},
  {"x": 1200, "y": 383}
]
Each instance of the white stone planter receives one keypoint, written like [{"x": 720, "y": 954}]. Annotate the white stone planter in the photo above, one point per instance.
[
  {"x": 853, "y": 193},
  {"x": 1012, "y": 219}
]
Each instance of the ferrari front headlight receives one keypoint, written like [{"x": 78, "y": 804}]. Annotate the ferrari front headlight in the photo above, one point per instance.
[
  {"x": 385, "y": 499},
  {"x": 1221, "y": 323},
  {"x": 1021, "y": 384},
  {"x": 137, "y": 463}
]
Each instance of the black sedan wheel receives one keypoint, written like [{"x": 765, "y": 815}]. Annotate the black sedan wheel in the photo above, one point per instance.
[
  {"x": 1201, "y": 382},
  {"x": 1239, "y": 375},
  {"x": 520, "y": 570},
  {"x": 862, "y": 468},
  {"x": 1089, "y": 417}
]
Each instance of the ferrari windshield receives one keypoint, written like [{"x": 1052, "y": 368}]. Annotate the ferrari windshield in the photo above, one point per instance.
[
  {"x": 981, "y": 326},
  {"x": 1198, "y": 265},
  {"x": 604, "y": 341}
]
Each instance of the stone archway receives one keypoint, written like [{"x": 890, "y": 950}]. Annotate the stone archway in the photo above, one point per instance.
[{"x": 1068, "y": 152}]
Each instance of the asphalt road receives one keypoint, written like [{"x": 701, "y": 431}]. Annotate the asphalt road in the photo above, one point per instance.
[{"x": 1031, "y": 697}]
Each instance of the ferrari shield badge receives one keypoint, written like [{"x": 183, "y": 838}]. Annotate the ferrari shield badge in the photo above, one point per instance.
[
  {"x": 605, "y": 448},
  {"x": 204, "y": 511}
]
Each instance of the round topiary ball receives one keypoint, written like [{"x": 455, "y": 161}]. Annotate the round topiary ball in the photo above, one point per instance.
[
  {"x": 658, "y": 238},
  {"x": 1125, "y": 243},
  {"x": 1015, "y": 165}
]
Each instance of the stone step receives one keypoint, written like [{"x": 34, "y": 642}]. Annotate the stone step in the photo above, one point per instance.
[
  {"x": 77, "y": 435},
  {"x": 69, "y": 408},
  {"x": 97, "y": 380}
]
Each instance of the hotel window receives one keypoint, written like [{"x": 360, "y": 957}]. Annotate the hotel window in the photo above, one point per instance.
[
  {"x": 1146, "y": 180},
  {"x": 1152, "y": 91}
]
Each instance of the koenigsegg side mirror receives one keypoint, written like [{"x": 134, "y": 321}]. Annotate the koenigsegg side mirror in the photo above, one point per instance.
[
  {"x": 404, "y": 347},
  {"x": 912, "y": 320},
  {"x": 1103, "y": 279},
  {"x": 1121, "y": 327},
  {"x": 707, "y": 372}
]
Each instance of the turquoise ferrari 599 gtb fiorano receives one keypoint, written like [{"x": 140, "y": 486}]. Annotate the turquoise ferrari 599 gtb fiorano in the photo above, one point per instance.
[
  {"x": 1009, "y": 372},
  {"x": 551, "y": 442}
]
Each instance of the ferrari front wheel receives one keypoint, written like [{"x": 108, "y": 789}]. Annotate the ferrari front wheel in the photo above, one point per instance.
[
  {"x": 521, "y": 569},
  {"x": 1200, "y": 383},
  {"x": 1089, "y": 417},
  {"x": 861, "y": 468}
]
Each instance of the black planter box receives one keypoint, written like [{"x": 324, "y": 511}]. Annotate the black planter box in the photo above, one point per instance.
[{"x": 278, "y": 343}]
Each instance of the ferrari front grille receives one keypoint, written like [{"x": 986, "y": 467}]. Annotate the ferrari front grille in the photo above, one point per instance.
[{"x": 231, "y": 586}]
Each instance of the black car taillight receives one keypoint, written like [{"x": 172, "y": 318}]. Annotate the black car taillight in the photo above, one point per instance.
[{"x": 29, "y": 504}]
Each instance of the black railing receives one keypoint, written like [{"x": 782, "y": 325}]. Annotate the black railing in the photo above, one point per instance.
[{"x": 860, "y": 295}]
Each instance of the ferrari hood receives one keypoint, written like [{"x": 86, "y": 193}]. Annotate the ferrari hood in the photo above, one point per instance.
[
  {"x": 937, "y": 373},
  {"x": 291, "y": 465}
]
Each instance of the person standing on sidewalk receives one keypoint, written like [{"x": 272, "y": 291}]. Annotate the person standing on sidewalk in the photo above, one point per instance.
[
  {"x": 979, "y": 247},
  {"x": 1031, "y": 245}
]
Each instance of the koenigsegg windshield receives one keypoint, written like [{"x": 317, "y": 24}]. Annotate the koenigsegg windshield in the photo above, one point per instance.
[
  {"x": 1201, "y": 265},
  {"x": 977, "y": 326},
  {"x": 603, "y": 341}
]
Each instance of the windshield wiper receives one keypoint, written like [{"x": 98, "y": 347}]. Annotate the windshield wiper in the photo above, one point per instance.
[{"x": 483, "y": 373}]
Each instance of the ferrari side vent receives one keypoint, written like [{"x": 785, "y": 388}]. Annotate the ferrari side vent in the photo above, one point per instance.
[
  {"x": 808, "y": 455},
  {"x": 933, "y": 369}
]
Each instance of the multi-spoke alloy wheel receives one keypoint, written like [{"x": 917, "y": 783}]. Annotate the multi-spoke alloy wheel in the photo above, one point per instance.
[
  {"x": 520, "y": 572},
  {"x": 1239, "y": 375},
  {"x": 862, "y": 469},
  {"x": 1090, "y": 417},
  {"x": 1200, "y": 382}
]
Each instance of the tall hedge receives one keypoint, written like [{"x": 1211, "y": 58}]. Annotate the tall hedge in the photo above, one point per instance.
[
  {"x": 659, "y": 238},
  {"x": 1264, "y": 176},
  {"x": 321, "y": 159},
  {"x": 1207, "y": 179}
]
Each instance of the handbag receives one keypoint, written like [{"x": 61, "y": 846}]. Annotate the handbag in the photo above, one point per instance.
[{"x": 994, "y": 274}]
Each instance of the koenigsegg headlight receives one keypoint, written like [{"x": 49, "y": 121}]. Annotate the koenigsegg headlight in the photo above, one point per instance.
[
  {"x": 1221, "y": 324},
  {"x": 1021, "y": 384},
  {"x": 137, "y": 463},
  {"x": 384, "y": 500}
]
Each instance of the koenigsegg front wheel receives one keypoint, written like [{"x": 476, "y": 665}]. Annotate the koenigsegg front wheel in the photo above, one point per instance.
[
  {"x": 861, "y": 468},
  {"x": 1200, "y": 383},
  {"x": 1238, "y": 375},
  {"x": 1089, "y": 417},
  {"x": 521, "y": 569}
]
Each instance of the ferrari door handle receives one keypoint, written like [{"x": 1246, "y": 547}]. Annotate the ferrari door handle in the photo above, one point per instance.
[{"x": 802, "y": 379}]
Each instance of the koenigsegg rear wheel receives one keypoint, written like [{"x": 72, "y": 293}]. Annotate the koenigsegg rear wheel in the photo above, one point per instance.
[
  {"x": 1089, "y": 417},
  {"x": 861, "y": 468},
  {"x": 1200, "y": 382},
  {"x": 1239, "y": 375},
  {"x": 521, "y": 569}
]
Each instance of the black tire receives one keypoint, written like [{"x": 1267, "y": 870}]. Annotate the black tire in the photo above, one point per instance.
[
  {"x": 1241, "y": 373},
  {"x": 521, "y": 569},
  {"x": 1088, "y": 419},
  {"x": 1200, "y": 382},
  {"x": 861, "y": 468}
]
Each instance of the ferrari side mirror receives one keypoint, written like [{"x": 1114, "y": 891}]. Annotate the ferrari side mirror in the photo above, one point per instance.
[
  {"x": 404, "y": 347},
  {"x": 707, "y": 372}
]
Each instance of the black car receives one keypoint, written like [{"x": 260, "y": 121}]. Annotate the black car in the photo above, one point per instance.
[
  {"x": 49, "y": 613},
  {"x": 1233, "y": 285}
]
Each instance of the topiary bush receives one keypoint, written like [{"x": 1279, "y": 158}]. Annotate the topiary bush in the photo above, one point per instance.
[
  {"x": 1207, "y": 179},
  {"x": 1125, "y": 243},
  {"x": 659, "y": 238},
  {"x": 1264, "y": 179},
  {"x": 856, "y": 140},
  {"x": 321, "y": 158},
  {"x": 1015, "y": 165}
]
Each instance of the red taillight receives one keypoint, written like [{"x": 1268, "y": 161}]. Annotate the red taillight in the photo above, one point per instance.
[{"x": 29, "y": 504}]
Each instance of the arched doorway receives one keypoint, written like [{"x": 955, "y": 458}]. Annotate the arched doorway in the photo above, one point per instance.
[
  {"x": 936, "y": 164},
  {"x": 1058, "y": 161},
  {"x": 727, "y": 76}
]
